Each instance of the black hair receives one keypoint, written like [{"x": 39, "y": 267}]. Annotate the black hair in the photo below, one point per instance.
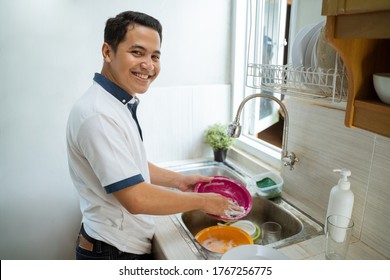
[{"x": 116, "y": 28}]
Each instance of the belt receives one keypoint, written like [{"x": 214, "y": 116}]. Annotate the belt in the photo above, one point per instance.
[{"x": 82, "y": 242}]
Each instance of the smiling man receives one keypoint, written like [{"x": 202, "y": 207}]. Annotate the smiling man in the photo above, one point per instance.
[
  {"x": 134, "y": 63},
  {"x": 119, "y": 189}
]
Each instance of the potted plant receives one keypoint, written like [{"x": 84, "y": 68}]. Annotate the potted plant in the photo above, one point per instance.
[{"x": 219, "y": 141}]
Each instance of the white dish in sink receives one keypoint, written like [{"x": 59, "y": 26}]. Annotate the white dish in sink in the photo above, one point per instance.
[{"x": 253, "y": 252}]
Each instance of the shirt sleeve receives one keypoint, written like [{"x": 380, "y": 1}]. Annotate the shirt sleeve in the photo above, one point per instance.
[{"x": 108, "y": 151}]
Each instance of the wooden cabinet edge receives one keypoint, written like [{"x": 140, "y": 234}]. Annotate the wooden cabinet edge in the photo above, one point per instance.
[
  {"x": 372, "y": 116},
  {"x": 352, "y": 53},
  {"x": 362, "y": 109},
  {"x": 340, "y": 7}
]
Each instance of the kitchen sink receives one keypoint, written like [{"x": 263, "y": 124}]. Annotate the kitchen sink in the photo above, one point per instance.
[
  {"x": 296, "y": 225},
  {"x": 213, "y": 169}
]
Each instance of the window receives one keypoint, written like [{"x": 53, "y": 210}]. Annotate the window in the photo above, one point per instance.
[{"x": 259, "y": 38}]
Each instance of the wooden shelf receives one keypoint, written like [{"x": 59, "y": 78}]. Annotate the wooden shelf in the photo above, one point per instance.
[
  {"x": 369, "y": 25},
  {"x": 372, "y": 116},
  {"x": 361, "y": 35},
  {"x": 345, "y": 7}
]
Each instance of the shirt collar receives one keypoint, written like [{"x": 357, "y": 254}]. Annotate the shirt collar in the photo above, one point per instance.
[{"x": 114, "y": 90}]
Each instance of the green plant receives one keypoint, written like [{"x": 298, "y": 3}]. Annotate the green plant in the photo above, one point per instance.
[{"x": 216, "y": 137}]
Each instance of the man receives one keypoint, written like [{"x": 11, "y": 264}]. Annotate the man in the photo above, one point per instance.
[{"x": 119, "y": 189}]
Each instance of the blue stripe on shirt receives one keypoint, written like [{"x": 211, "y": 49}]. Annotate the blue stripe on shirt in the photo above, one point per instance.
[{"x": 124, "y": 183}]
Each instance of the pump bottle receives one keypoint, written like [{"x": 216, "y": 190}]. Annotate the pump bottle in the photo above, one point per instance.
[{"x": 341, "y": 197}]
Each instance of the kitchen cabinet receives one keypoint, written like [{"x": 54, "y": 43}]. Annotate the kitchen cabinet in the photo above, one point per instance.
[{"x": 360, "y": 32}]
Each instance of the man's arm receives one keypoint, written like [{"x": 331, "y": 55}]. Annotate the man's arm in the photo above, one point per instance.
[
  {"x": 167, "y": 178},
  {"x": 144, "y": 198}
]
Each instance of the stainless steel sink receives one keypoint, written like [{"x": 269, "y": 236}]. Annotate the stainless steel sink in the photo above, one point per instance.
[
  {"x": 296, "y": 225},
  {"x": 212, "y": 169}
]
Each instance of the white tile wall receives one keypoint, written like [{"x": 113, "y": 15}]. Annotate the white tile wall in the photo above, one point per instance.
[
  {"x": 376, "y": 220},
  {"x": 322, "y": 142}
]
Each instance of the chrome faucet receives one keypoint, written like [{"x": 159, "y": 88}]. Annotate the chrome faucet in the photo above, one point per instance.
[{"x": 234, "y": 129}]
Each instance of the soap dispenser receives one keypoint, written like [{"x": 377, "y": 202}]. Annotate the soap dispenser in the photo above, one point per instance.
[{"x": 341, "y": 197}]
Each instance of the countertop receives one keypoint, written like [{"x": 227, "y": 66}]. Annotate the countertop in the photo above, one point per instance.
[{"x": 169, "y": 244}]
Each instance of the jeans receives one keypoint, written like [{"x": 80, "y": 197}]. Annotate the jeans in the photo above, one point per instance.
[{"x": 103, "y": 251}]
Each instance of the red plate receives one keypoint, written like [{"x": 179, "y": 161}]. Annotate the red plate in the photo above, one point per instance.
[{"x": 229, "y": 188}]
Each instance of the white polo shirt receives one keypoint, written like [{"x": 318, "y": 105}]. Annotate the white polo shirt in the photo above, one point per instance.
[{"x": 106, "y": 154}]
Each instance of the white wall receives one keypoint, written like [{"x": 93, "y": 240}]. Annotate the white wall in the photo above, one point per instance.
[{"x": 49, "y": 52}]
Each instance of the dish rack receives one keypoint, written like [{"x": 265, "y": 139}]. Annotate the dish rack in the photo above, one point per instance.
[{"x": 329, "y": 84}]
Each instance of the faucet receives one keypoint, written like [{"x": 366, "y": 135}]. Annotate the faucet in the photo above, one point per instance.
[{"x": 234, "y": 129}]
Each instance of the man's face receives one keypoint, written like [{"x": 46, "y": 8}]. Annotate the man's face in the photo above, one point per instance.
[{"x": 136, "y": 62}]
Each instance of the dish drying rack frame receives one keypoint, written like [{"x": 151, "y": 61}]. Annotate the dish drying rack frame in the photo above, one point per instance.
[{"x": 312, "y": 83}]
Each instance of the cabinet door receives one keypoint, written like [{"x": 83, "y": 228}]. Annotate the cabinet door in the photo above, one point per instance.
[{"x": 340, "y": 7}]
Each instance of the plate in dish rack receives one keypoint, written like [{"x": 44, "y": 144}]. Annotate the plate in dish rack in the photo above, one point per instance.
[
  {"x": 300, "y": 44},
  {"x": 310, "y": 46}
]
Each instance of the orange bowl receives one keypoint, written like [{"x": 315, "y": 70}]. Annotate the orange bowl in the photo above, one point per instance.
[{"x": 220, "y": 239}]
